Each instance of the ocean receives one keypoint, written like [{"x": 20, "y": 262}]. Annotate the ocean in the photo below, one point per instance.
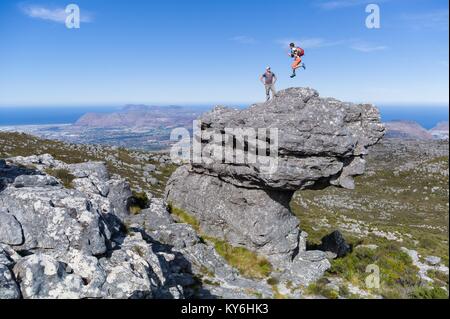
[{"x": 427, "y": 116}]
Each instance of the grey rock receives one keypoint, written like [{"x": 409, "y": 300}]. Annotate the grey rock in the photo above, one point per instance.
[
  {"x": 119, "y": 195},
  {"x": 153, "y": 181},
  {"x": 321, "y": 142},
  {"x": 8, "y": 256},
  {"x": 35, "y": 181},
  {"x": 336, "y": 244},
  {"x": 306, "y": 268},
  {"x": 43, "y": 277},
  {"x": 257, "y": 219},
  {"x": 152, "y": 218},
  {"x": 136, "y": 271},
  {"x": 317, "y": 138},
  {"x": 10, "y": 229},
  {"x": 176, "y": 235},
  {"x": 3, "y": 183},
  {"x": 75, "y": 244},
  {"x": 54, "y": 218},
  {"x": 433, "y": 260},
  {"x": 89, "y": 169},
  {"x": 8, "y": 286},
  {"x": 150, "y": 168},
  {"x": 44, "y": 160}
]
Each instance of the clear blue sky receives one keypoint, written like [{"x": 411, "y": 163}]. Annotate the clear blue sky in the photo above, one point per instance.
[{"x": 192, "y": 51}]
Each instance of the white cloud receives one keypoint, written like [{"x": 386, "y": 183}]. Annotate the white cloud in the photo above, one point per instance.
[
  {"x": 55, "y": 14},
  {"x": 367, "y": 47},
  {"x": 311, "y": 43},
  {"x": 243, "y": 39}
]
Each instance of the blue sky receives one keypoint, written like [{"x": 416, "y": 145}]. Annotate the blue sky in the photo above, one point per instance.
[{"x": 195, "y": 51}]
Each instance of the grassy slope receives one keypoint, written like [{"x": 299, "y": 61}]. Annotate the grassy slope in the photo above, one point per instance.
[{"x": 391, "y": 208}]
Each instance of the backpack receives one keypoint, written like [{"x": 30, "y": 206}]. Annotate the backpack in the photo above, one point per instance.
[{"x": 300, "y": 52}]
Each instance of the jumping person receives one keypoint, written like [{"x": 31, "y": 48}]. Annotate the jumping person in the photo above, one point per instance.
[
  {"x": 268, "y": 79},
  {"x": 296, "y": 53}
]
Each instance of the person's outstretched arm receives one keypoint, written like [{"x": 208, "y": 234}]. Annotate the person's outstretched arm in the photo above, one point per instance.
[{"x": 261, "y": 78}]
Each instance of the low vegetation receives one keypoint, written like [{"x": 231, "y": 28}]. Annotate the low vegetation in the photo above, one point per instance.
[
  {"x": 402, "y": 201},
  {"x": 247, "y": 262},
  {"x": 63, "y": 175},
  {"x": 129, "y": 164},
  {"x": 138, "y": 202}
]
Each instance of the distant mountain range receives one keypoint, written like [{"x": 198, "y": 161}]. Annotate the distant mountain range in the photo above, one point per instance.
[
  {"x": 413, "y": 130},
  {"x": 142, "y": 116}
]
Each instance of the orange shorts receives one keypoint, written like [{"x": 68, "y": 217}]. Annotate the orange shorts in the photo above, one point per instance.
[{"x": 296, "y": 63}]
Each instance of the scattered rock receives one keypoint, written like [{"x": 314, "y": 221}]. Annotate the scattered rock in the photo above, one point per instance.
[
  {"x": 433, "y": 260},
  {"x": 10, "y": 229},
  {"x": 8, "y": 286},
  {"x": 336, "y": 244}
]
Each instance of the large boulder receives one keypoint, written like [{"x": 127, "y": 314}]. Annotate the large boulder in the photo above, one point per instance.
[
  {"x": 258, "y": 219},
  {"x": 317, "y": 139},
  {"x": 240, "y": 188},
  {"x": 52, "y": 218}
]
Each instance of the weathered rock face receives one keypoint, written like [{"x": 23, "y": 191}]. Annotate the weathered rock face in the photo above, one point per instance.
[
  {"x": 69, "y": 243},
  {"x": 321, "y": 142},
  {"x": 255, "y": 218}
]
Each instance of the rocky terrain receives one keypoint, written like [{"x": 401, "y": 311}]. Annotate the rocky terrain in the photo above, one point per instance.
[{"x": 104, "y": 230}]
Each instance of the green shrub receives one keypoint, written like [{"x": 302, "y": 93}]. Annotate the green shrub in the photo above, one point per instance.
[
  {"x": 184, "y": 217},
  {"x": 397, "y": 273},
  {"x": 63, "y": 175},
  {"x": 319, "y": 288},
  {"x": 429, "y": 293},
  {"x": 247, "y": 262},
  {"x": 138, "y": 202}
]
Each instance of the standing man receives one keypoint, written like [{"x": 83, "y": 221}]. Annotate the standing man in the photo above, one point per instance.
[{"x": 269, "y": 79}]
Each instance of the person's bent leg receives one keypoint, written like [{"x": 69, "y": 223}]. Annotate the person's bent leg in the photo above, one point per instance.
[
  {"x": 267, "y": 92},
  {"x": 272, "y": 88},
  {"x": 297, "y": 63}
]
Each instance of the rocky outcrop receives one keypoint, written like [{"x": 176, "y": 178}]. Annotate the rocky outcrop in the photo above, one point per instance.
[
  {"x": 82, "y": 242},
  {"x": 69, "y": 243},
  {"x": 311, "y": 142}
]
